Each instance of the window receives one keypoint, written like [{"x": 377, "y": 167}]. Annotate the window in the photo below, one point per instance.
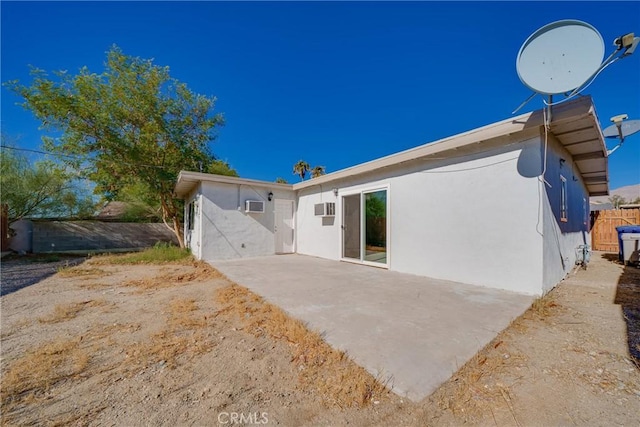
[
  {"x": 364, "y": 227},
  {"x": 191, "y": 215},
  {"x": 563, "y": 199}
]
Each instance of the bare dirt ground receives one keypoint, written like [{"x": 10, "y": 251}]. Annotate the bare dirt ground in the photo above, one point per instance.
[{"x": 178, "y": 344}]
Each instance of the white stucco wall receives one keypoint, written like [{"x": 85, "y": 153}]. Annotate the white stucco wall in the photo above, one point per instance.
[
  {"x": 227, "y": 231},
  {"x": 562, "y": 238},
  {"x": 315, "y": 235},
  {"x": 470, "y": 219},
  {"x": 474, "y": 222}
]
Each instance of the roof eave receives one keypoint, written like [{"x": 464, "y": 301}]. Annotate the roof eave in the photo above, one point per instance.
[{"x": 187, "y": 181}]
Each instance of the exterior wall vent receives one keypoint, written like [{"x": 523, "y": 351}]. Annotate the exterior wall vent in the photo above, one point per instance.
[
  {"x": 254, "y": 206},
  {"x": 325, "y": 209}
]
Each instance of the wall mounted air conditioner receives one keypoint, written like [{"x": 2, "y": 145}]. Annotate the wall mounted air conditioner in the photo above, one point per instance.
[
  {"x": 254, "y": 206},
  {"x": 325, "y": 209}
]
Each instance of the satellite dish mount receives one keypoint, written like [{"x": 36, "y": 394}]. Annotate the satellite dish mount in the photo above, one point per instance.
[
  {"x": 565, "y": 57},
  {"x": 620, "y": 129}
]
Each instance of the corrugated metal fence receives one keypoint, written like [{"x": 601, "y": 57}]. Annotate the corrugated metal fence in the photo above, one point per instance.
[{"x": 604, "y": 236}]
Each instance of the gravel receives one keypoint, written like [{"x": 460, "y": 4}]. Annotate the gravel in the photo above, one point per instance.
[{"x": 19, "y": 272}]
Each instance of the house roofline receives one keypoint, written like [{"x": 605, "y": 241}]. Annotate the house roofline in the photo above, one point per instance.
[
  {"x": 567, "y": 119},
  {"x": 581, "y": 107},
  {"x": 188, "y": 180}
]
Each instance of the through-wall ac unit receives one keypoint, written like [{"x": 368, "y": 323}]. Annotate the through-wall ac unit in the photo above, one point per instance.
[
  {"x": 254, "y": 206},
  {"x": 325, "y": 209}
]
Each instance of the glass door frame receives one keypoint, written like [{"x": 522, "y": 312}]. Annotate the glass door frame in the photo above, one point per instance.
[{"x": 363, "y": 224}]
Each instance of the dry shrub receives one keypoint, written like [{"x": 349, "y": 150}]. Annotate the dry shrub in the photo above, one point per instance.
[
  {"x": 39, "y": 369},
  {"x": 330, "y": 372},
  {"x": 80, "y": 271},
  {"x": 64, "y": 312}
]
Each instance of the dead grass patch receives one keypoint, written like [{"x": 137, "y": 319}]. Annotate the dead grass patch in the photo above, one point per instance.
[
  {"x": 330, "y": 372},
  {"x": 92, "y": 286},
  {"x": 64, "y": 312},
  {"x": 185, "y": 336},
  {"x": 81, "y": 271},
  {"x": 39, "y": 369},
  {"x": 6, "y": 332},
  {"x": 200, "y": 271},
  {"x": 473, "y": 390},
  {"x": 543, "y": 307}
]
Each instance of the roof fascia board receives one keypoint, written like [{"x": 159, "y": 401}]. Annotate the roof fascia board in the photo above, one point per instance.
[
  {"x": 185, "y": 177},
  {"x": 581, "y": 107}
]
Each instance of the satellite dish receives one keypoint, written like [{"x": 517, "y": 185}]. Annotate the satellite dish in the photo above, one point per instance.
[
  {"x": 560, "y": 57},
  {"x": 626, "y": 128},
  {"x": 620, "y": 129}
]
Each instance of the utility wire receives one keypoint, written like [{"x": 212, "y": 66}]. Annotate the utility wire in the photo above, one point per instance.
[{"x": 74, "y": 156}]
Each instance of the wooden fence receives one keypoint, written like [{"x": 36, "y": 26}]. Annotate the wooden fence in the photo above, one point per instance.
[
  {"x": 4, "y": 227},
  {"x": 604, "y": 236}
]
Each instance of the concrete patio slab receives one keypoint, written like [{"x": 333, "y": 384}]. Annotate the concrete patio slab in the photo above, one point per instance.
[{"x": 415, "y": 330}]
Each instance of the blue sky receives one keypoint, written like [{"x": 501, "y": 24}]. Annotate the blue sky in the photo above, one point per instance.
[{"x": 333, "y": 83}]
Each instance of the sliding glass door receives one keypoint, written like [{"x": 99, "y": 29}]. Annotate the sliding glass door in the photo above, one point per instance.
[
  {"x": 364, "y": 227},
  {"x": 351, "y": 227}
]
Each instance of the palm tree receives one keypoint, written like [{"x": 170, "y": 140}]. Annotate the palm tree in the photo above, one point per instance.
[
  {"x": 317, "y": 171},
  {"x": 301, "y": 168},
  {"x": 280, "y": 180}
]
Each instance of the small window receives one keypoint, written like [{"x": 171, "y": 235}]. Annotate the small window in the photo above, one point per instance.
[
  {"x": 191, "y": 215},
  {"x": 563, "y": 199}
]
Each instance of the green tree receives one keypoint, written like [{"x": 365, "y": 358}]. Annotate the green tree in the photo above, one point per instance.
[
  {"x": 280, "y": 180},
  {"x": 301, "y": 168},
  {"x": 220, "y": 167},
  {"x": 131, "y": 124},
  {"x": 41, "y": 189},
  {"x": 141, "y": 204},
  {"x": 616, "y": 201},
  {"x": 317, "y": 171}
]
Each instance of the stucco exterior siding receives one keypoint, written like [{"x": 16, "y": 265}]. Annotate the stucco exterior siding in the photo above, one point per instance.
[
  {"x": 471, "y": 222},
  {"x": 227, "y": 231},
  {"x": 562, "y": 238},
  {"x": 502, "y": 206},
  {"x": 317, "y": 236},
  {"x": 463, "y": 220}
]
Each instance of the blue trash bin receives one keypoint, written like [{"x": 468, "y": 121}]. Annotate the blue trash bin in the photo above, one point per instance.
[{"x": 625, "y": 229}]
